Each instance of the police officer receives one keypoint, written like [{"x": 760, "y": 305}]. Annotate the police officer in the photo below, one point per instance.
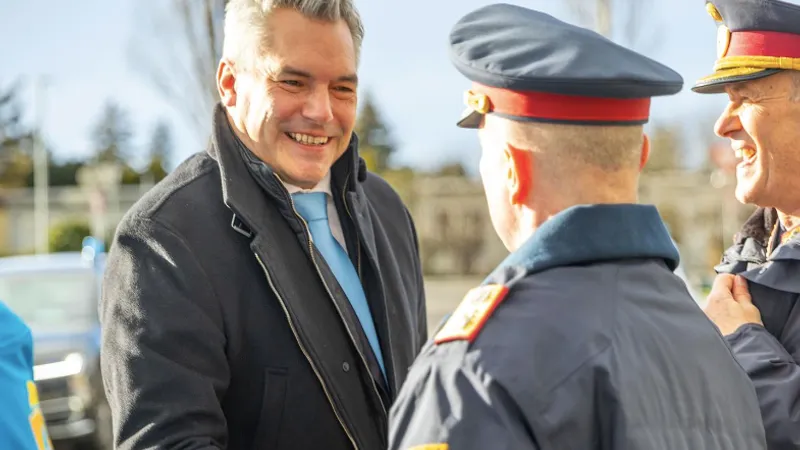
[
  {"x": 758, "y": 67},
  {"x": 583, "y": 338}
]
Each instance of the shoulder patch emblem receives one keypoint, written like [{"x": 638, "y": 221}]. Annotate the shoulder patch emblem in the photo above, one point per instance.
[
  {"x": 430, "y": 447},
  {"x": 471, "y": 314}
]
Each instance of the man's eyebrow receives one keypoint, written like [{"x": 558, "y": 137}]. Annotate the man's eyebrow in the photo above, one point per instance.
[
  {"x": 288, "y": 70},
  {"x": 352, "y": 78},
  {"x": 296, "y": 72},
  {"x": 745, "y": 90}
]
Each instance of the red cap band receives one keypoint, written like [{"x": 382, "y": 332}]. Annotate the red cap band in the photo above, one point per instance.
[
  {"x": 569, "y": 108},
  {"x": 764, "y": 43}
]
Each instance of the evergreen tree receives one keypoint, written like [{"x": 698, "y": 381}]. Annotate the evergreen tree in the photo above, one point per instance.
[
  {"x": 160, "y": 151},
  {"x": 374, "y": 137},
  {"x": 16, "y": 162},
  {"x": 112, "y": 134}
]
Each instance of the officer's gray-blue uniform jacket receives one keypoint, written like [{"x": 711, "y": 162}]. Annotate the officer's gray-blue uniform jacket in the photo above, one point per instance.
[
  {"x": 770, "y": 353},
  {"x": 597, "y": 345}
]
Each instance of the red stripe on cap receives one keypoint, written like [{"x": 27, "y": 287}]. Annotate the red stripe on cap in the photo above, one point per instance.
[
  {"x": 573, "y": 108},
  {"x": 764, "y": 43}
]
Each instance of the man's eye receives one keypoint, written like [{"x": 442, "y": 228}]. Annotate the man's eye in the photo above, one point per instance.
[
  {"x": 343, "y": 89},
  {"x": 293, "y": 83}
]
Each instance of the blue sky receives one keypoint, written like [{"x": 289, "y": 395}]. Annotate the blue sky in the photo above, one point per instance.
[{"x": 82, "y": 48}]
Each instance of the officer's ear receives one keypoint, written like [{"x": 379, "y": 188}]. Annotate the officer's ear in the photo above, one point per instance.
[
  {"x": 645, "y": 151},
  {"x": 519, "y": 174}
]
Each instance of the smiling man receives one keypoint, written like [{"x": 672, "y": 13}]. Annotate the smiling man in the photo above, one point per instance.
[
  {"x": 268, "y": 293},
  {"x": 758, "y": 311}
]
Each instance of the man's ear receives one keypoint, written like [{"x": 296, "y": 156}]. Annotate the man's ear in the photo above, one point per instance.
[
  {"x": 519, "y": 174},
  {"x": 226, "y": 82},
  {"x": 645, "y": 151}
]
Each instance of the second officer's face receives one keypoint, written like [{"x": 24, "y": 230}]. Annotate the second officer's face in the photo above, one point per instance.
[{"x": 761, "y": 121}]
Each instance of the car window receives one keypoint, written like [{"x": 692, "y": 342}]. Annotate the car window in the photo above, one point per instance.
[{"x": 52, "y": 300}]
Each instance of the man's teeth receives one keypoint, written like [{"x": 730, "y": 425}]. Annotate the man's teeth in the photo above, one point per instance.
[
  {"x": 309, "y": 140},
  {"x": 746, "y": 152}
]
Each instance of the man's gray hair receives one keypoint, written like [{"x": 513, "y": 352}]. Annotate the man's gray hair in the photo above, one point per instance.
[{"x": 247, "y": 27}]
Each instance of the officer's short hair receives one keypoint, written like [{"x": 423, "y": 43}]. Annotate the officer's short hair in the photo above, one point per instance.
[
  {"x": 247, "y": 26},
  {"x": 608, "y": 148}
]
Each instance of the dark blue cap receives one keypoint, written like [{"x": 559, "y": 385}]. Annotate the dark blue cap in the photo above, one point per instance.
[
  {"x": 755, "y": 38},
  {"x": 529, "y": 66}
]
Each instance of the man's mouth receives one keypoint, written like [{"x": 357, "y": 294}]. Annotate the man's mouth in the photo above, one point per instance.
[
  {"x": 307, "y": 139},
  {"x": 746, "y": 154}
]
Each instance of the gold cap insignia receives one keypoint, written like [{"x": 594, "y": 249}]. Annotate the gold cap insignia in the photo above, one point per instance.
[
  {"x": 477, "y": 101},
  {"x": 723, "y": 40},
  {"x": 713, "y": 12}
]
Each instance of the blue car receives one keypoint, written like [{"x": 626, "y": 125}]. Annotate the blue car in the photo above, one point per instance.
[{"x": 56, "y": 295}]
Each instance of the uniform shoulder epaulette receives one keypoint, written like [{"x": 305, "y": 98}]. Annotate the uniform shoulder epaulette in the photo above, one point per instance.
[{"x": 471, "y": 314}]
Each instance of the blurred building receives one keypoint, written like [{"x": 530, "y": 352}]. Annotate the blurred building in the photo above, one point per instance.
[
  {"x": 68, "y": 204},
  {"x": 457, "y": 238},
  {"x": 455, "y": 232}
]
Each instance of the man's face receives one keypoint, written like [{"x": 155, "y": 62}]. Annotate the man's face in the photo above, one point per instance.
[
  {"x": 494, "y": 169},
  {"x": 763, "y": 125},
  {"x": 300, "y": 111}
]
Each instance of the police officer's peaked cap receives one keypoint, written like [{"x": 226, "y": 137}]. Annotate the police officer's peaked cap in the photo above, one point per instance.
[
  {"x": 755, "y": 38},
  {"x": 529, "y": 66}
]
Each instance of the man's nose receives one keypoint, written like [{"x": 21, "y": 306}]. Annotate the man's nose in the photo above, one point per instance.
[
  {"x": 318, "y": 106},
  {"x": 728, "y": 122}
]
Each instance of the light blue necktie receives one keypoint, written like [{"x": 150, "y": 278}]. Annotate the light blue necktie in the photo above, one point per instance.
[{"x": 313, "y": 207}]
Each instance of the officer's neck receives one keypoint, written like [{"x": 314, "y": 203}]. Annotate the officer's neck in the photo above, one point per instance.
[{"x": 540, "y": 208}]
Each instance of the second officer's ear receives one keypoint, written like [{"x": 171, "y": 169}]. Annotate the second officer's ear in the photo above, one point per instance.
[
  {"x": 645, "y": 151},
  {"x": 519, "y": 174}
]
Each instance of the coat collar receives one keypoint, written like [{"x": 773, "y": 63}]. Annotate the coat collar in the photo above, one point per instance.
[
  {"x": 748, "y": 254},
  {"x": 592, "y": 233}
]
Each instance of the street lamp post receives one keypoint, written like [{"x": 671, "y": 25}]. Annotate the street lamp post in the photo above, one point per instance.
[
  {"x": 101, "y": 182},
  {"x": 40, "y": 176}
]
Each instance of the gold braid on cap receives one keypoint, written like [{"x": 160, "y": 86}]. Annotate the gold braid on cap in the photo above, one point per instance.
[{"x": 760, "y": 62}]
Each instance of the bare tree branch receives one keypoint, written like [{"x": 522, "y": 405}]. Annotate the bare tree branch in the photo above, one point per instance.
[
  {"x": 179, "y": 52},
  {"x": 583, "y": 14},
  {"x": 628, "y": 21}
]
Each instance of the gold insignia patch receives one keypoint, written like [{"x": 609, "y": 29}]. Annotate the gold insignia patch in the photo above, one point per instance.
[
  {"x": 723, "y": 40},
  {"x": 472, "y": 313},
  {"x": 430, "y": 447}
]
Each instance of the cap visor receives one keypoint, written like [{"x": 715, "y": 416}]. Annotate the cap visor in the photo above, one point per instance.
[
  {"x": 716, "y": 82},
  {"x": 470, "y": 119}
]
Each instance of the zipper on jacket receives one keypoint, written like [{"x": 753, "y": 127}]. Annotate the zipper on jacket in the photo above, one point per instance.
[
  {"x": 305, "y": 352},
  {"x": 386, "y": 308},
  {"x": 330, "y": 294}
]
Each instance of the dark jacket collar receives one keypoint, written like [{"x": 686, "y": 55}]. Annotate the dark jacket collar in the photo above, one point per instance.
[
  {"x": 243, "y": 173},
  {"x": 748, "y": 254},
  {"x": 592, "y": 233}
]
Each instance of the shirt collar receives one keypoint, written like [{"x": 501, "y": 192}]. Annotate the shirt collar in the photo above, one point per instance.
[{"x": 323, "y": 186}]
